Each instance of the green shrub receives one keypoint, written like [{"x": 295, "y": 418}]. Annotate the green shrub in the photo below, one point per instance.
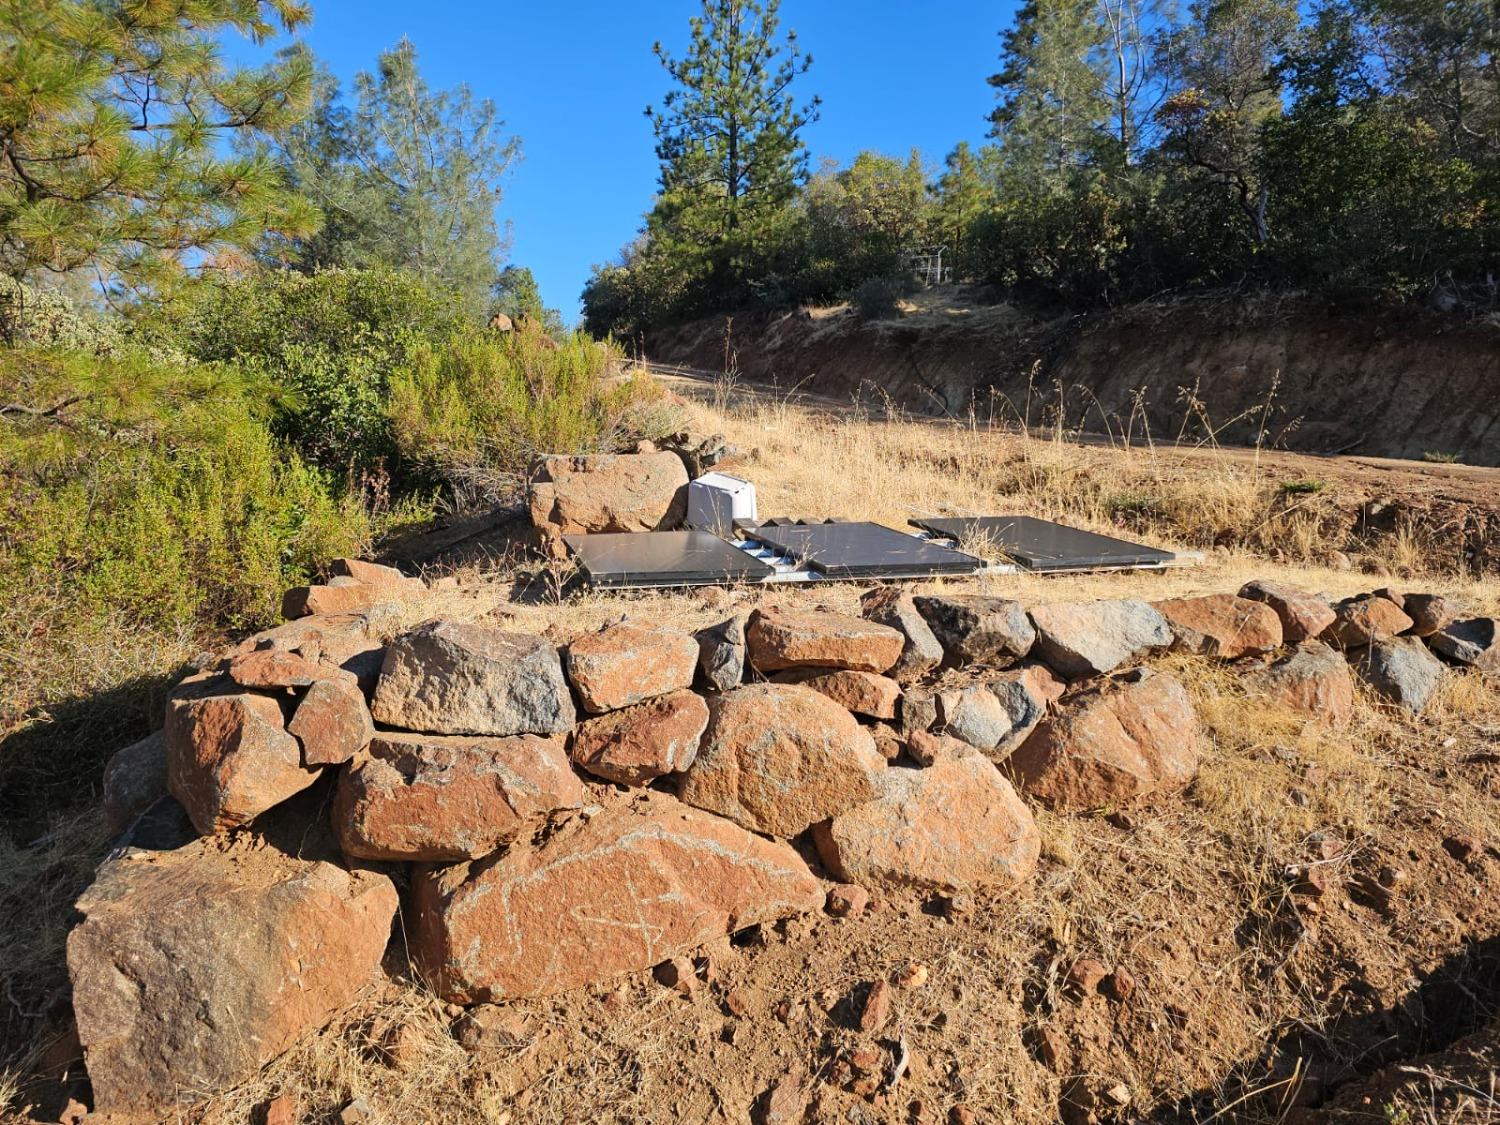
[
  {"x": 330, "y": 340},
  {"x": 151, "y": 497},
  {"x": 474, "y": 410}
]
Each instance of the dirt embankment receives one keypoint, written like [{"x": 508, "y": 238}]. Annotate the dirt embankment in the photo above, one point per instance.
[{"x": 1380, "y": 383}]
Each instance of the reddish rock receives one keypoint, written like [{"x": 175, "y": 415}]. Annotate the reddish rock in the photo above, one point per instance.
[
  {"x": 271, "y": 669},
  {"x": 375, "y": 575},
  {"x": 1312, "y": 678},
  {"x": 921, "y": 651},
  {"x": 887, "y": 741},
  {"x": 229, "y": 758},
  {"x": 436, "y": 797},
  {"x": 332, "y": 722},
  {"x": 1041, "y": 681},
  {"x": 1085, "y": 976},
  {"x": 1111, "y": 745},
  {"x": 876, "y": 1009},
  {"x": 777, "y": 758},
  {"x": 1429, "y": 613},
  {"x": 135, "y": 778},
  {"x": 1303, "y": 615},
  {"x": 785, "y": 1102},
  {"x": 637, "y": 883},
  {"x": 452, "y": 677},
  {"x": 956, "y": 825},
  {"x": 283, "y": 1109},
  {"x": 625, "y": 663},
  {"x": 194, "y": 967},
  {"x": 846, "y": 900},
  {"x": 1119, "y": 986},
  {"x": 1081, "y": 639},
  {"x": 1363, "y": 620},
  {"x": 1222, "y": 625},
  {"x": 640, "y": 743},
  {"x": 343, "y": 594},
  {"x": 863, "y": 693},
  {"x": 781, "y": 639},
  {"x": 608, "y": 492},
  {"x": 678, "y": 974}
]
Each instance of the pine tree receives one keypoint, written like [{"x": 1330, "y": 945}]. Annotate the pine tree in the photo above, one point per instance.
[
  {"x": 728, "y": 136},
  {"x": 962, "y": 194},
  {"x": 112, "y": 118},
  {"x": 408, "y": 177}
]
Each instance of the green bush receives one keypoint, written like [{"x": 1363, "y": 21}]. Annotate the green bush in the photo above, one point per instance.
[
  {"x": 475, "y": 410},
  {"x": 150, "y": 496},
  {"x": 330, "y": 340}
]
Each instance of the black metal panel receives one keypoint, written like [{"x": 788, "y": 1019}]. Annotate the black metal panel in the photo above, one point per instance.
[
  {"x": 663, "y": 558},
  {"x": 862, "y": 550},
  {"x": 1039, "y": 544}
]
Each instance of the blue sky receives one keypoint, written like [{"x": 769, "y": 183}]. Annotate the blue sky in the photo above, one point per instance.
[{"x": 572, "y": 79}]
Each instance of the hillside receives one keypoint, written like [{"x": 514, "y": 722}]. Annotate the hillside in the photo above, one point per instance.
[{"x": 1286, "y": 374}]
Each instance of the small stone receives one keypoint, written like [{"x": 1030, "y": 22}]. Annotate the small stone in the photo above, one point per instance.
[
  {"x": 876, "y": 1009},
  {"x": 913, "y": 974},
  {"x": 1085, "y": 976},
  {"x": 866, "y": 1059},
  {"x": 929, "y": 749},
  {"x": 1119, "y": 1093},
  {"x": 740, "y": 1001},
  {"x": 1119, "y": 986},
  {"x": 332, "y": 723},
  {"x": 785, "y": 1102},
  {"x": 1430, "y": 613},
  {"x": 845, "y": 900},
  {"x": 402, "y": 1048},
  {"x": 1052, "y": 1049},
  {"x": 961, "y": 1115},
  {"x": 270, "y": 669}
]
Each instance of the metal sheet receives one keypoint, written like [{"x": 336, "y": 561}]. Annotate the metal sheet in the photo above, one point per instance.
[
  {"x": 663, "y": 558},
  {"x": 1043, "y": 545},
  {"x": 863, "y": 550}
]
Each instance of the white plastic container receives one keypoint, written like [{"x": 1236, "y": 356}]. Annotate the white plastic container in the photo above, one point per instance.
[{"x": 716, "y": 500}]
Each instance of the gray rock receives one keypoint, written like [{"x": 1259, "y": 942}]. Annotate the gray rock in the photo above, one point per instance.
[
  {"x": 721, "y": 654},
  {"x": 979, "y": 629},
  {"x": 1081, "y": 639},
  {"x": 448, "y": 677},
  {"x": 134, "y": 779},
  {"x": 995, "y": 717},
  {"x": 918, "y": 710},
  {"x": 1400, "y": 669},
  {"x": 896, "y": 608},
  {"x": 1475, "y": 642}
]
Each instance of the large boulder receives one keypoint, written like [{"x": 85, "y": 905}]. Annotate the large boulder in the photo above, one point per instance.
[
  {"x": 1081, "y": 639},
  {"x": 135, "y": 778},
  {"x": 1303, "y": 615},
  {"x": 1401, "y": 669},
  {"x": 1111, "y": 745},
  {"x": 864, "y": 693},
  {"x": 1429, "y": 613},
  {"x": 451, "y": 677},
  {"x": 435, "y": 797},
  {"x": 1312, "y": 678},
  {"x": 631, "y": 886},
  {"x": 777, "y": 758},
  {"x": 1359, "y": 621},
  {"x": 1475, "y": 642},
  {"x": 1222, "y": 625},
  {"x": 975, "y": 629},
  {"x": 956, "y": 825},
  {"x": 192, "y": 968},
  {"x": 625, "y": 663},
  {"x": 608, "y": 492},
  {"x": 921, "y": 651},
  {"x": 229, "y": 756},
  {"x": 782, "y": 638},
  {"x": 721, "y": 654},
  {"x": 636, "y": 745},
  {"x": 996, "y": 716}
]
